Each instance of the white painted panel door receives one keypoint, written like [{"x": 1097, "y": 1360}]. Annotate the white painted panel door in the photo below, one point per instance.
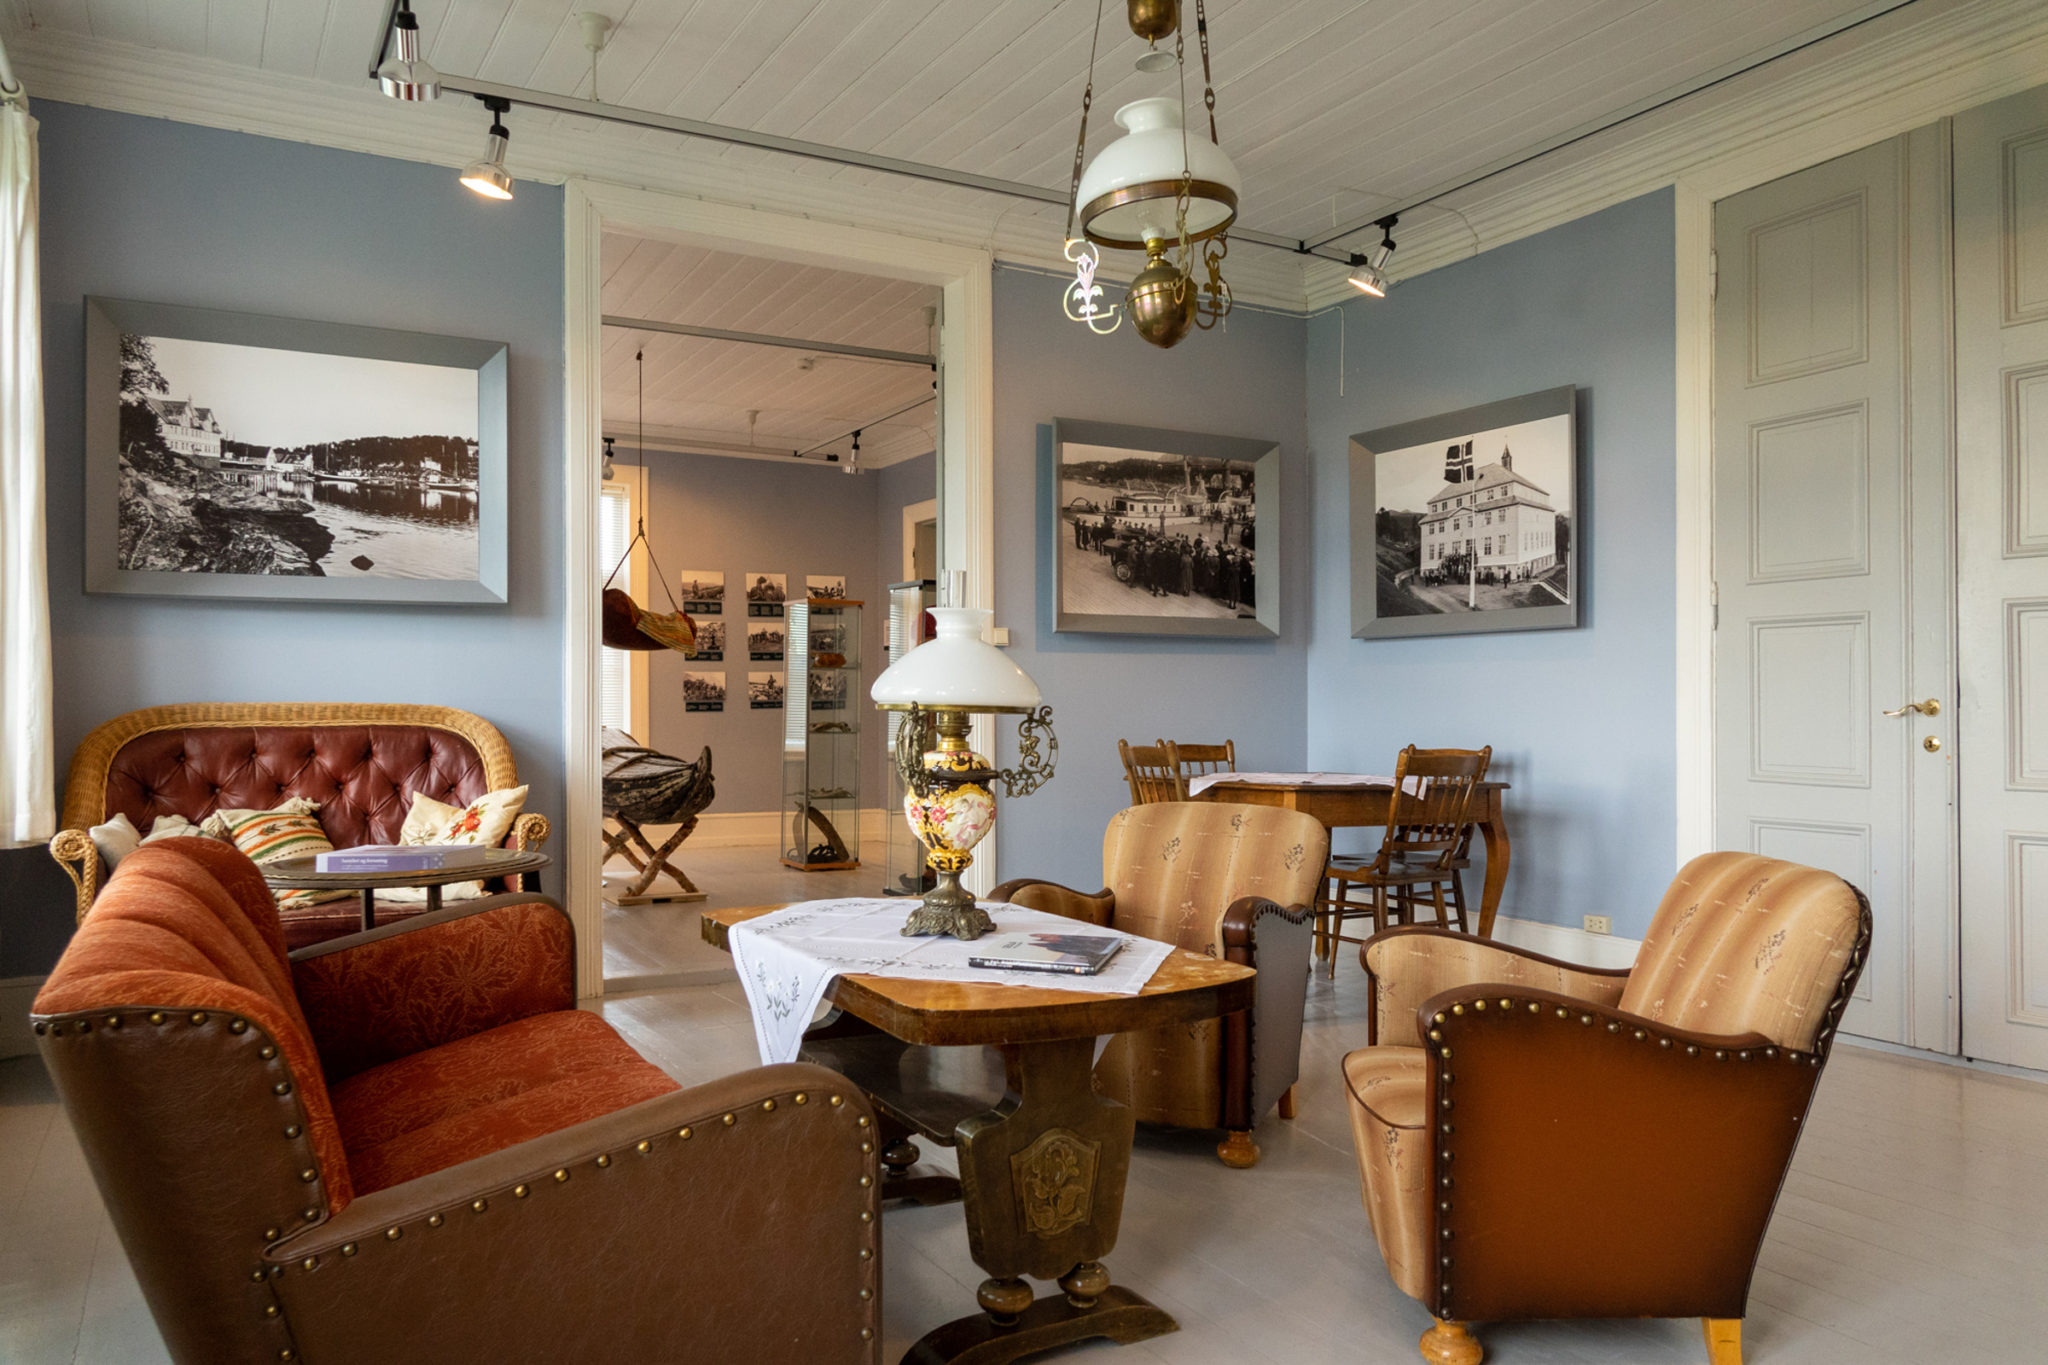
[
  {"x": 2001, "y": 226},
  {"x": 1811, "y": 541}
]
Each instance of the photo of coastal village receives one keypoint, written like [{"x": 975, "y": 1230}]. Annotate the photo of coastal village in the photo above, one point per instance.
[
  {"x": 1146, "y": 533},
  {"x": 251, "y": 460},
  {"x": 1479, "y": 523}
]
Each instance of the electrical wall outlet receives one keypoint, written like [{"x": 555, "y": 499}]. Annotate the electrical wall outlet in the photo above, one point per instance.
[{"x": 1599, "y": 924}]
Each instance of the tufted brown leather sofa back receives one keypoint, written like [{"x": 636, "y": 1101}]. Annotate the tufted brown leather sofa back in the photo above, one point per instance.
[
  {"x": 362, "y": 763},
  {"x": 363, "y": 776}
]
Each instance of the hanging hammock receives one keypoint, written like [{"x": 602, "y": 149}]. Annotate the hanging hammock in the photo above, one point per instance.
[{"x": 627, "y": 624}]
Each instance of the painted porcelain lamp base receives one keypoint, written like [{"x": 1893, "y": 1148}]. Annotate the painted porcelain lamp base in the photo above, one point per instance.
[{"x": 955, "y": 812}]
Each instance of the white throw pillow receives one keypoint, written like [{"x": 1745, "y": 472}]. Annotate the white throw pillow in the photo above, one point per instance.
[
  {"x": 172, "y": 827},
  {"x": 486, "y": 821},
  {"x": 114, "y": 840}
]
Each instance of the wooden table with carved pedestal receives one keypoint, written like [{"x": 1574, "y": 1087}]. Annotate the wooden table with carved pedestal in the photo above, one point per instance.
[{"x": 1043, "y": 1158}]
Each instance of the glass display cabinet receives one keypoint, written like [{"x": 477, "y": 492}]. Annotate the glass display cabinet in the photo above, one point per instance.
[
  {"x": 823, "y": 710},
  {"x": 904, "y": 872}
]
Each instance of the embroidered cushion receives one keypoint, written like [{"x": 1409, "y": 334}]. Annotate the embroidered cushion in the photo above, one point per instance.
[{"x": 486, "y": 821}]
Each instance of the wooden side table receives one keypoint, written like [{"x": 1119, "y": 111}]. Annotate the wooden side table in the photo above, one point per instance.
[
  {"x": 299, "y": 874},
  {"x": 1043, "y": 1158}
]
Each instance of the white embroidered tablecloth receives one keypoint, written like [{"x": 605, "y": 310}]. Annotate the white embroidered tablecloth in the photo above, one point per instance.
[
  {"x": 1198, "y": 785},
  {"x": 788, "y": 959}
]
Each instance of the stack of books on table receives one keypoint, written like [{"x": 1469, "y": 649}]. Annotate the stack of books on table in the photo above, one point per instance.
[{"x": 401, "y": 858}]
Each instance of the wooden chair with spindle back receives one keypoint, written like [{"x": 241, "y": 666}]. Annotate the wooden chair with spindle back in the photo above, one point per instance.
[
  {"x": 1190, "y": 761},
  {"x": 1149, "y": 770},
  {"x": 1429, "y": 834}
]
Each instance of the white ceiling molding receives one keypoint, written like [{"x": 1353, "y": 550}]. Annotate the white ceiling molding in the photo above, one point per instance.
[
  {"x": 1909, "y": 68},
  {"x": 166, "y": 84},
  {"x": 1929, "y": 59}
]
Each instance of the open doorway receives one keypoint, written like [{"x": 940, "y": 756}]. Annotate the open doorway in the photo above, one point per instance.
[{"x": 770, "y": 468}]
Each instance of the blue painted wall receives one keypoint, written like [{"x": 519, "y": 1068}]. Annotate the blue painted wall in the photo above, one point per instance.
[
  {"x": 1580, "y": 720},
  {"x": 1244, "y": 379},
  {"x": 147, "y": 209}
]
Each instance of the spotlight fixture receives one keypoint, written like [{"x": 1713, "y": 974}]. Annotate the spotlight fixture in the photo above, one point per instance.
[
  {"x": 1369, "y": 273},
  {"x": 406, "y": 75},
  {"x": 487, "y": 177},
  {"x": 606, "y": 468}
]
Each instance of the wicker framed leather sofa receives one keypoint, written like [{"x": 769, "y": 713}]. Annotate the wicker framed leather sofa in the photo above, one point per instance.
[
  {"x": 362, "y": 762},
  {"x": 408, "y": 1146}
]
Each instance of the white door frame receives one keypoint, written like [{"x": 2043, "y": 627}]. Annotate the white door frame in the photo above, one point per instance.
[
  {"x": 967, "y": 480},
  {"x": 1906, "y": 98}
]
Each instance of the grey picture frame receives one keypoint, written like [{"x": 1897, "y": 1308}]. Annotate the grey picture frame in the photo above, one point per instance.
[
  {"x": 1366, "y": 449},
  {"x": 1262, "y": 455},
  {"x": 106, "y": 320}
]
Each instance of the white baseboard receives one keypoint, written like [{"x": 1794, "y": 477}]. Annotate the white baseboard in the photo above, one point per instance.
[
  {"x": 1567, "y": 944},
  {"x": 17, "y": 996},
  {"x": 745, "y": 829}
]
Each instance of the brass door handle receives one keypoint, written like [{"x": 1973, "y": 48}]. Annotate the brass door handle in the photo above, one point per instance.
[{"x": 1930, "y": 707}]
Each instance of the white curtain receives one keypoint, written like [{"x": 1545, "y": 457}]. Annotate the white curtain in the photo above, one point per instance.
[{"x": 27, "y": 769}]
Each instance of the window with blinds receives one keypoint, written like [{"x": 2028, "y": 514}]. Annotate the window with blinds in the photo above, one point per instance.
[{"x": 615, "y": 668}]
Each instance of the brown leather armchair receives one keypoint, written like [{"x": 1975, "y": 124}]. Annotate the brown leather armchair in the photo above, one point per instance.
[
  {"x": 408, "y": 1145},
  {"x": 1233, "y": 881},
  {"x": 1538, "y": 1140}
]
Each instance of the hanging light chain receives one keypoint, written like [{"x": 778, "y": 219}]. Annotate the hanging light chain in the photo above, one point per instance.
[
  {"x": 1081, "y": 138},
  {"x": 1208, "y": 81}
]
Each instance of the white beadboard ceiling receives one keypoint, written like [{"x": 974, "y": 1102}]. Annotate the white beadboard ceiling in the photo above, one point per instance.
[
  {"x": 702, "y": 389},
  {"x": 1330, "y": 107}
]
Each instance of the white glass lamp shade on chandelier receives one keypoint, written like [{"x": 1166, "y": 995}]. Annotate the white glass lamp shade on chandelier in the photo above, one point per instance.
[{"x": 1129, "y": 193}]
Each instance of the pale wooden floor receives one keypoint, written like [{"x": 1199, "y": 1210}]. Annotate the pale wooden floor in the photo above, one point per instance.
[{"x": 1913, "y": 1229}]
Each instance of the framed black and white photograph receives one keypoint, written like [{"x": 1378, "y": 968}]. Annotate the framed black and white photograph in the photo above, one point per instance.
[
  {"x": 1157, "y": 532},
  {"x": 702, "y": 591},
  {"x": 765, "y": 643},
  {"x": 1468, "y": 522},
  {"x": 235, "y": 455},
  {"x": 710, "y": 640},
  {"x": 766, "y": 593},
  {"x": 765, "y": 691},
  {"x": 703, "y": 691}
]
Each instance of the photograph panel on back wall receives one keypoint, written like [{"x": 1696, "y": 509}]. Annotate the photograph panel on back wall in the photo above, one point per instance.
[
  {"x": 1468, "y": 522},
  {"x": 702, "y": 591},
  {"x": 234, "y": 455},
  {"x": 765, "y": 593},
  {"x": 1157, "y": 532},
  {"x": 826, "y": 587}
]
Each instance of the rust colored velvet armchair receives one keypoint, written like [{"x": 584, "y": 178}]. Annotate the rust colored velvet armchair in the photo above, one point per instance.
[
  {"x": 1538, "y": 1140},
  {"x": 408, "y": 1145},
  {"x": 361, "y": 761},
  {"x": 1236, "y": 882}
]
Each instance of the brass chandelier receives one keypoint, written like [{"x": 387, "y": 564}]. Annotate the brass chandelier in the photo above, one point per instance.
[{"x": 1154, "y": 190}]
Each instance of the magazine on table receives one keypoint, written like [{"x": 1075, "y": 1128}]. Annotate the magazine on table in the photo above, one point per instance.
[
  {"x": 1077, "y": 954},
  {"x": 401, "y": 858}
]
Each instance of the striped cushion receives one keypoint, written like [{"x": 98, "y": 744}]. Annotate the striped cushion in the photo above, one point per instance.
[{"x": 266, "y": 835}]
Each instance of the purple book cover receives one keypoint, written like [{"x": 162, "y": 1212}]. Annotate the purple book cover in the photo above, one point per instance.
[{"x": 400, "y": 858}]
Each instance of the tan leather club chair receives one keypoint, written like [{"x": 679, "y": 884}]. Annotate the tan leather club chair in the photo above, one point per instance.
[
  {"x": 1235, "y": 882},
  {"x": 1538, "y": 1140},
  {"x": 409, "y": 1147}
]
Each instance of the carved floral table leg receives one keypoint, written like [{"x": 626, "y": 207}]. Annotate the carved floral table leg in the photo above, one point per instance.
[{"x": 1042, "y": 1178}]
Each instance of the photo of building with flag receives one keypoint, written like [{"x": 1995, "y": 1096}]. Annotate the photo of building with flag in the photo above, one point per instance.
[{"x": 1490, "y": 520}]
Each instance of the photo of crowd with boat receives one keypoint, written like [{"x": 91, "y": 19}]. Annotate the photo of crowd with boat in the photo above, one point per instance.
[
  {"x": 1147, "y": 533},
  {"x": 251, "y": 460}
]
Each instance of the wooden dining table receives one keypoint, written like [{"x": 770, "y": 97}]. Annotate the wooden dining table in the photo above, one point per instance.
[{"x": 1350, "y": 801}]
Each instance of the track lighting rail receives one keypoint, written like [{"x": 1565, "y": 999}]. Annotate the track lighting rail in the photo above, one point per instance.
[{"x": 684, "y": 329}]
